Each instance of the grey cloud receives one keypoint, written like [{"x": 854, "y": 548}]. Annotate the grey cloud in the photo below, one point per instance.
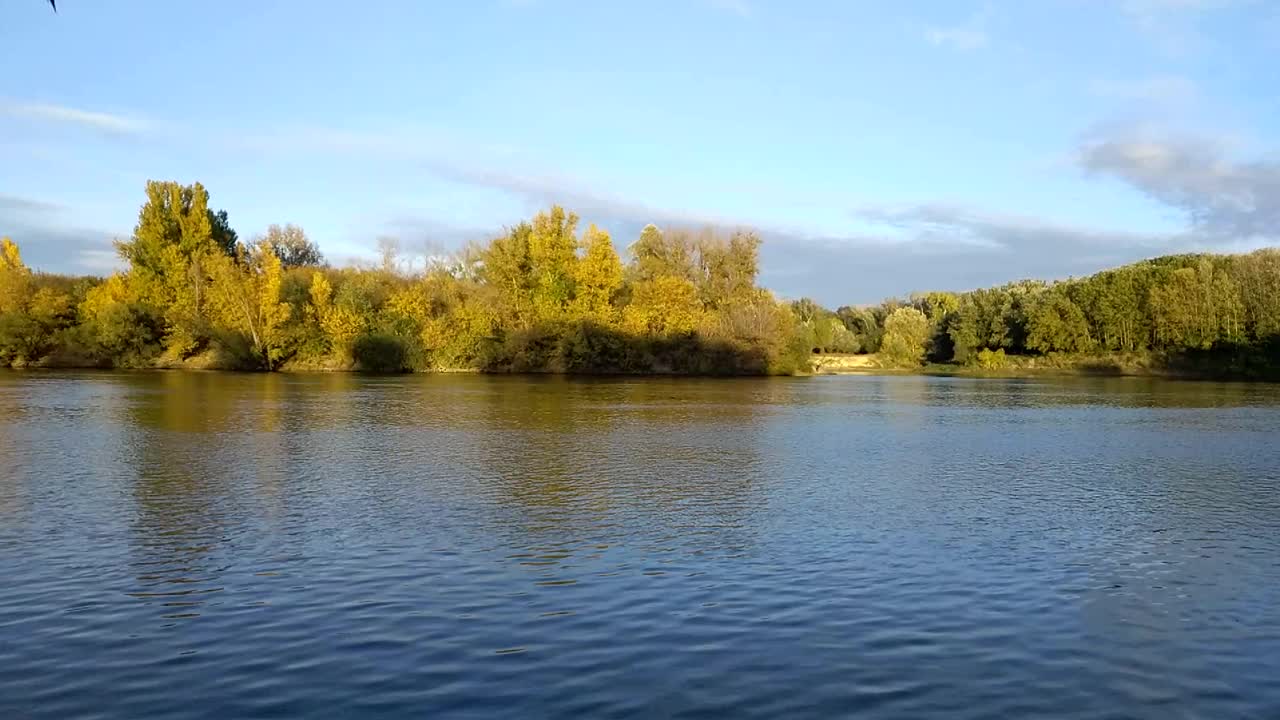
[
  {"x": 1222, "y": 198},
  {"x": 51, "y": 244},
  {"x": 21, "y": 205},
  {"x": 944, "y": 247},
  {"x": 954, "y": 226},
  {"x": 59, "y": 249},
  {"x": 858, "y": 270},
  {"x": 419, "y": 232}
]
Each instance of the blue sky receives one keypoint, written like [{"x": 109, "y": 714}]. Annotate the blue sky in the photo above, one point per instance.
[{"x": 879, "y": 148}]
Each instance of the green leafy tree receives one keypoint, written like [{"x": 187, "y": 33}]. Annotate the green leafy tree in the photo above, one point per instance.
[
  {"x": 906, "y": 335},
  {"x": 1057, "y": 324},
  {"x": 1197, "y": 307},
  {"x": 981, "y": 321},
  {"x": 1258, "y": 277},
  {"x": 863, "y": 325}
]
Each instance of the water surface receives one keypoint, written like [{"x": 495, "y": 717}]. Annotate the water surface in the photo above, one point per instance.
[{"x": 213, "y": 545}]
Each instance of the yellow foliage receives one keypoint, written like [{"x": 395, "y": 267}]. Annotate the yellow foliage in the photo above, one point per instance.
[
  {"x": 49, "y": 306},
  {"x": 552, "y": 256},
  {"x": 340, "y": 325},
  {"x": 666, "y": 305},
  {"x": 321, "y": 293},
  {"x": 456, "y": 338},
  {"x": 99, "y": 299},
  {"x": 15, "y": 278},
  {"x": 598, "y": 276},
  {"x": 410, "y": 302},
  {"x": 246, "y": 298}
]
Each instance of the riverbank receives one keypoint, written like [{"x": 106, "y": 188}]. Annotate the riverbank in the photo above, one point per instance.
[{"x": 1201, "y": 366}]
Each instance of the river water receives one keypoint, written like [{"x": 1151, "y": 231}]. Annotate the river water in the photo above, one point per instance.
[{"x": 205, "y": 545}]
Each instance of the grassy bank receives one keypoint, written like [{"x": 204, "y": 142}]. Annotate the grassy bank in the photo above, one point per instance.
[{"x": 1205, "y": 365}]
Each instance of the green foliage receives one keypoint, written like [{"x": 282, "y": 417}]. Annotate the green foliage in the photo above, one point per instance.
[
  {"x": 1057, "y": 324},
  {"x": 906, "y": 334},
  {"x": 224, "y": 238},
  {"x": 1197, "y": 307},
  {"x": 380, "y": 353},
  {"x": 126, "y": 334},
  {"x": 1258, "y": 277},
  {"x": 821, "y": 330},
  {"x": 865, "y": 327},
  {"x": 981, "y": 321}
]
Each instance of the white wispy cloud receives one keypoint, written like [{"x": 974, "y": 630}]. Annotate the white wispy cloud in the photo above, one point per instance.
[
  {"x": 93, "y": 120},
  {"x": 957, "y": 38},
  {"x": 1158, "y": 89},
  {"x": 1173, "y": 24},
  {"x": 968, "y": 35},
  {"x": 741, "y": 8}
]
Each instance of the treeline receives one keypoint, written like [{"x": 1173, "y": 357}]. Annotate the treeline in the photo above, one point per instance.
[
  {"x": 546, "y": 296},
  {"x": 1202, "y": 313},
  {"x": 543, "y": 297}
]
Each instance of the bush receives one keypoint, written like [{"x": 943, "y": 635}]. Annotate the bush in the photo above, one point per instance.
[
  {"x": 380, "y": 354},
  {"x": 128, "y": 335},
  {"x": 992, "y": 359},
  {"x": 590, "y": 348}
]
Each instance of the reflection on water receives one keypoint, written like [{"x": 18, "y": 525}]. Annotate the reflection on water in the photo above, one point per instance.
[{"x": 201, "y": 544}]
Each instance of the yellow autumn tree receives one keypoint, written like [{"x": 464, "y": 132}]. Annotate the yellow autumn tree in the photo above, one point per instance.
[
  {"x": 15, "y": 278},
  {"x": 552, "y": 256},
  {"x": 246, "y": 297},
  {"x": 666, "y": 305},
  {"x": 171, "y": 253},
  {"x": 598, "y": 277},
  {"x": 458, "y": 339},
  {"x": 340, "y": 325}
]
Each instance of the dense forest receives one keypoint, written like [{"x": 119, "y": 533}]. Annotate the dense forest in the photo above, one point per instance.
[{"x": 546, "y": 296}]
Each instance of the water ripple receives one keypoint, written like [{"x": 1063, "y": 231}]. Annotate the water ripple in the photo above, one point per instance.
[{"x": 206, "y": 545}]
